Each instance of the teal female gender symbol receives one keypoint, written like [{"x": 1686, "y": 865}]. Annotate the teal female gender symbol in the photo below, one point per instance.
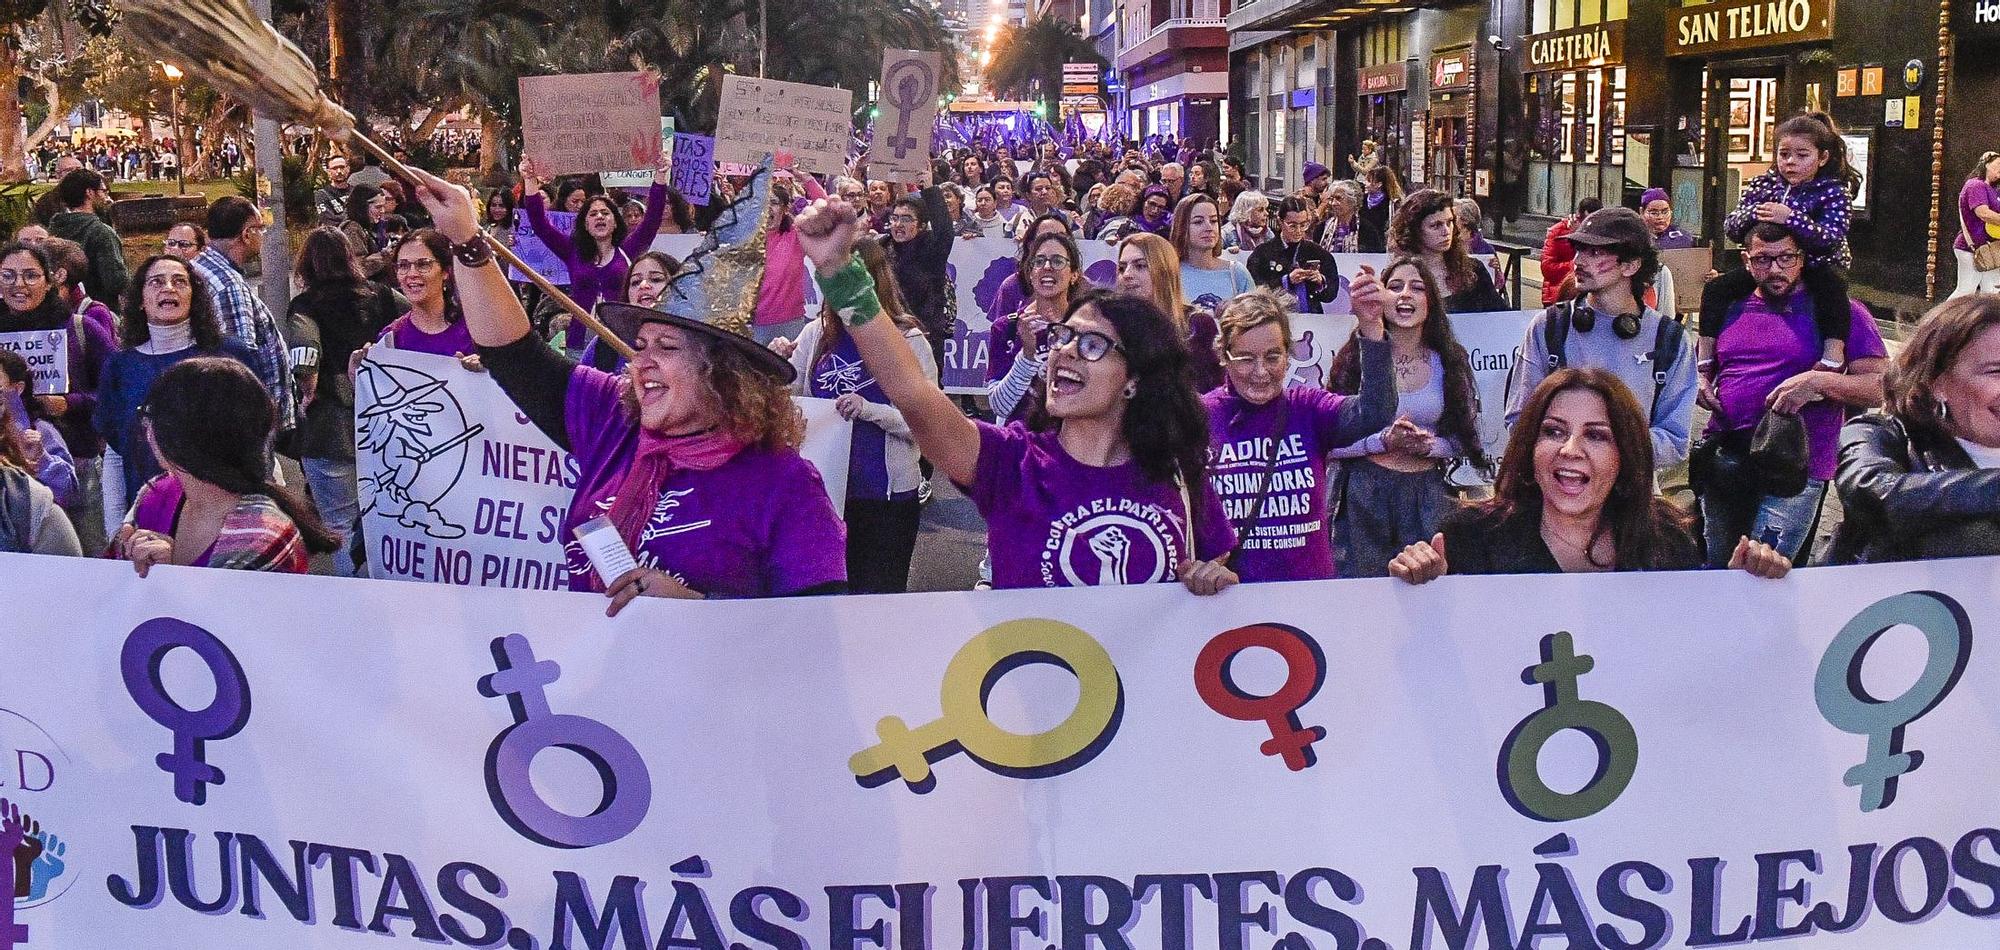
[{"x": 1847, "y": 705}]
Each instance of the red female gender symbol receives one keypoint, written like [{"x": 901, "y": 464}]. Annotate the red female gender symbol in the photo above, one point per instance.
[{"x": 1305, "y": 670}]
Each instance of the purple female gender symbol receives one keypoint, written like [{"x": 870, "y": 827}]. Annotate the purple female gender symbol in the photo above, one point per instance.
[
  {"x": 628, "y": 787},
  {"x": 224, "y": 717}
]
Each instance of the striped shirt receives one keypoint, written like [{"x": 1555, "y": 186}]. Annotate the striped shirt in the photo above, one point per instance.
[{"x": 245, "y": 319}]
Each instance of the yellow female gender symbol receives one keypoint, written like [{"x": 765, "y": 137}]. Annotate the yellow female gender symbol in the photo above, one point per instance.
[{"x": 965, "y": 725}]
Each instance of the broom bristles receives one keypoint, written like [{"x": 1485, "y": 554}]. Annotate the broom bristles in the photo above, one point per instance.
[{"x": 215, "y": 39}]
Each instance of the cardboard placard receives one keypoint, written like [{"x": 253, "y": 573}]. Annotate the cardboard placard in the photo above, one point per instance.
[
  {"x": 47, "y": 353},
  {"x": 1690, "y": 267},
  {"x": 643, "y": 177},
  {"x": 694, "y": 166},
  {"x": 765, "y": 116},
  {"x": 902, "y": 147},
  {"x": 595, "y": 122}
]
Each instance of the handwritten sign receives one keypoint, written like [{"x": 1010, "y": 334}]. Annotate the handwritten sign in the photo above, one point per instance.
[
  {"x": 594, "y": 122},
  {"x": 1690, "y": 267},
  {"x": 694, "y": 166},
  {"x": 529, "y": 247},
  {"x": 761, "y": 116},
  {"x": 643, "y": 177},
  {"x": 902, "y": 149},
  {"x": 47, "y": 353}
]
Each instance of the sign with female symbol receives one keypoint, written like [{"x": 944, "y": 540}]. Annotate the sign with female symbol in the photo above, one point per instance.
[
  {"x": 965, "y": 726},
  {"x": 1520, "y": 755},
  {"x": 225, "y": 715},
  {"x": 1305, "y": 672},
  {"x": 902, "y": 148},
  {"x": 1847, "y": 705}
]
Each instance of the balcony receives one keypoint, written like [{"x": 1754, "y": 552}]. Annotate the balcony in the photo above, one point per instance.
[{"x": 1177, "y": 33}]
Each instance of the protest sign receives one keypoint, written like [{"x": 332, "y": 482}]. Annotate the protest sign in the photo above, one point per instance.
[
  {"x": 678, "y": 246},
  {"x": 765, "y": 116},
  {"x": 47, "y": 353},
  {"x": 694, "y": 166},
  {"x": 642, "y": 177},
  {"x": 1089, "y": 769},
  {"x": 1690, "y": 267},
  {"x": 529, "y": 247},
  {"x": 590, "y": 122},
  {"x": 458, "y": 487},
  {"x": 909, "y": 104}
]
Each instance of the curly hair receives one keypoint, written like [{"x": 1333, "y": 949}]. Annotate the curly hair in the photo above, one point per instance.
[
  {"x": 754, "y": 406},
  {"x": 1164, "y": 422},
  {"x": 1118, "y": 199},
  {"x": 132, "y": 327},
  {"x": 1406, "y": 236},
  {"x": 1642, "y": 525},
  {"x": 1461, "y": 393}
]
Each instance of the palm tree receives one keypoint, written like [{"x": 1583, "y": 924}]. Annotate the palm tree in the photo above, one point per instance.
[
  {"x": 24, "y": 33},
  {"x": 446, "y": 53},
  {"x": 1027, "y": 60}
]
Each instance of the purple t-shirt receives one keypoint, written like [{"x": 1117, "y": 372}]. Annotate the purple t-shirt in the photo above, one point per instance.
[
  {"x": 1289, "y": 541},
  {"x": 456, "y": 340},
  {"x": 1053, "y": 521},
  {"x": 1971, "y": 230},
  {"x": 759, "y": 525},
  {"x": 1762, "y": 348}
]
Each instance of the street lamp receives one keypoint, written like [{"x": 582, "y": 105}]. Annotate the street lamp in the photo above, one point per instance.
[{"x": 174, "y": 77}]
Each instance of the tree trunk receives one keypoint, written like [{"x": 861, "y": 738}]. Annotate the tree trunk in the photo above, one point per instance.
[
  {"x": 438, "y": 114},
  {"x": 53, "y": 97},
  {"x": 13, "y": 153},
  {"x": 343, "y": 56},
  {"x": 492, "y": 139}
]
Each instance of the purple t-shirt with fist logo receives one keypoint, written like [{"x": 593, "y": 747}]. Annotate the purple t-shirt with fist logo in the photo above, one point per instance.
[
  {"x": 1053, "y": 521},
  {"x": 759, "y": 525}
]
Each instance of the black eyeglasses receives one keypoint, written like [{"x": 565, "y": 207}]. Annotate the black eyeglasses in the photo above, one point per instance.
[{"x": 1090, "y": 344}]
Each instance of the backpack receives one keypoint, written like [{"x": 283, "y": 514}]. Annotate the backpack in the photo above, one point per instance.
[{"x": 1667, "y": 340}]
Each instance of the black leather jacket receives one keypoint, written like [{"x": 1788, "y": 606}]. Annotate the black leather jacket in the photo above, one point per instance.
[{"x": 1911, "y": 495}]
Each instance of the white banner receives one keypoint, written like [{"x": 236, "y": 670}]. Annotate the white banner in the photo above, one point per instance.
[
  {"x": 458, "y": 487},
  {"x": 47, "y": 353},
  {"x": 228, "y": 760}
]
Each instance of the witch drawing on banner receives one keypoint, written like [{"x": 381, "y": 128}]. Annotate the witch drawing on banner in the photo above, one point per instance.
[{"x": 417, "y": 434}]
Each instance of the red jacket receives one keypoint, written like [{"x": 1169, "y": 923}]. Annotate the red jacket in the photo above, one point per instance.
[{"x": 1558, "y": 258}]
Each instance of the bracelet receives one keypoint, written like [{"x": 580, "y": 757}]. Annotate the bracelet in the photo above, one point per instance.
[{"x": 473, "y": 253}]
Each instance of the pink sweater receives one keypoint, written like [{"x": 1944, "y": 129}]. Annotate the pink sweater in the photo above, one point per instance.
[{"x": 782, "y": 298}]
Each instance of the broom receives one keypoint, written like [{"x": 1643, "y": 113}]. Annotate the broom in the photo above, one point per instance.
[{"x": 245, "y": 58}]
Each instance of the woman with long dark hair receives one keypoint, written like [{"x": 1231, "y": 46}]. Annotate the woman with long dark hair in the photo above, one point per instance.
[
  {"x": 435, "y": 322},
  {"x": 1575, "y": 495},
  {"x": 1392, "y": 490},
  {"x": 215, "y": 506},
  {"x": 336, "y": 316},
  {"x": 1380, "y": 194},
  {"x": 166, "y": 319},
  {"x": 32, "y": 299},
  {"x": 1425, "y": 226},
  {"x": 599, "y": 249},
  {"x": 882, "y": 471},
  {"x": 1104, "y": 483},
  {"x": 366, "y": 229}
]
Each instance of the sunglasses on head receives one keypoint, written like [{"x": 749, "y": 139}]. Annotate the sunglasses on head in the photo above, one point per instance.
[{"x": 1090, "y": 344}]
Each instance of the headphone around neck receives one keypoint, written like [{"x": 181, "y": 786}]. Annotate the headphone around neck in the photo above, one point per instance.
[{"x": 1626, "y": 325}]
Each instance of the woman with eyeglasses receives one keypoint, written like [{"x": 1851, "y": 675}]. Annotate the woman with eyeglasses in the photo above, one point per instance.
[
  {"x": 1270, "y": 440},
  {"x": 1051, "y": 270},
  {"x": 186, "y": 241},
  {"x": 166, "y": 320},
  {"x": 216, "y": 506},
  {"x": 1156, "y": 211},
  {"x": 31, "y": 288},
  {"x": 1292, "y": 263},
  {"x": 1391, "y": 491},
  {"x": 1105, "y": 485},
  {"x": 435, "y": 322}
]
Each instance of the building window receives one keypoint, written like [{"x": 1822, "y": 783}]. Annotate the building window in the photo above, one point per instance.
[
  {"x": 1577, "y": 144},
  {"x": 1382, "y": 43},
  {"x": 1547, "y": 15}
]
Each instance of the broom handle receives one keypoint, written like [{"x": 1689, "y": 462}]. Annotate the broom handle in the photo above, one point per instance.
[{"x": 506, "y": 254}]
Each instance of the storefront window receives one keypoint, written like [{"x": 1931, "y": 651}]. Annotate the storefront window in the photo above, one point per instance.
[{"x": 1577, "y": 145}]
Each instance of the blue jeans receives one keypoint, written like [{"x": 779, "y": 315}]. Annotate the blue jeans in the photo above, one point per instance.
[
  {"x": 339, "y": 504},
  {"x": 1782, "y": 523}
]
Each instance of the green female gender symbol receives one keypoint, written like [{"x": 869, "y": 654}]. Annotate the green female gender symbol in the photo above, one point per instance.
[
  {"x": 1520, "y": 755},
  {"x": 1847, "y": 705}
]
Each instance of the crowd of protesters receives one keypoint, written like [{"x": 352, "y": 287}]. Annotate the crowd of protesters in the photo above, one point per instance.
[{"x": 1164, "y": 387}]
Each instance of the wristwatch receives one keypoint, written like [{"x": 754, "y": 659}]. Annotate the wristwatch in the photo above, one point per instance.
[{"x": 473, "y": 253}]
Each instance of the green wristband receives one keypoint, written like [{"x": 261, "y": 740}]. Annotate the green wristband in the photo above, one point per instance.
[{"x": 850, "y": 291}]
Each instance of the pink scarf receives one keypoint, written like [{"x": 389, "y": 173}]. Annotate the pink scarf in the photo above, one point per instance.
[{"x": 658, "y": 458}]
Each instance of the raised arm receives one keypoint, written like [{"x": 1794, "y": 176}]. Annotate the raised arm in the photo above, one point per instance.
[
  {"x": 641, "y": 238},
  {"x": 943, "y": 433},
  {"x": 492, "y": 313}
]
